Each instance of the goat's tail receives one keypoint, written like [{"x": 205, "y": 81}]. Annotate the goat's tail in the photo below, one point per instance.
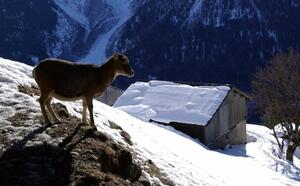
[{"x": 33, "y": 72}]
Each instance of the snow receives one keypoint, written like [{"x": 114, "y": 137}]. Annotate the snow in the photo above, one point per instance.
[
  {"x": 14, "y": 102},
  {"x": 76, "y": 15},
  {"x": 166, "y": 101},
  {"x": 16, "y": 73},
  {"x": 63, "y": 30},
  {"x": 196, "y": 9},
  {"x": 188, "y": 162},
  {"x": 121, "y": 11},
  {"x": 180, "y": 158}
]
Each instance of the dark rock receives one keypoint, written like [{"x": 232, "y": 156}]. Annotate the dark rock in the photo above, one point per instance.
[
  {"x": 87, "y": 180},
  {"x": 101, "y": 136},
  {"x": 114, "y": 125},
  {"x": 36, "y": 165},
  {"x": 109, "y": 162},
  {"x": 123, "y": 133},
  {"x": 143, "y": 180},
  {"x": 128, "y": 169},
  {"x": 126, "y": 137},
  {"x": 61, "y": 110},
  {"x": 31, "y": 91}
]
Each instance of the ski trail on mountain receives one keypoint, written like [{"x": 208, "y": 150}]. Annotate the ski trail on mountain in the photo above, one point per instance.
[{"x": 122, "y": 11}]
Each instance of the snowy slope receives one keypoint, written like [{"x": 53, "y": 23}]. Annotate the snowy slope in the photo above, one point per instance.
[
  {"x": 183, "y": 160},
  {"x": 72, "y": 12},
  {"x": 85, "y": 28},
  {"x": 121, "y": 12}
]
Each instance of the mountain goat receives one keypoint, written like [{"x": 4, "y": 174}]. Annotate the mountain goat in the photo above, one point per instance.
[{"x": 69, "y": 81}]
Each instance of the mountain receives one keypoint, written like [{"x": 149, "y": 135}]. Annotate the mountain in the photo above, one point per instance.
[
  {"x": 24, "y": 26},
  {"x": 35, "y": 29},
  {"x": 220, "y": 41},
  {"x": 208, "y": 41},
  {"x": 123, "y": 148}
]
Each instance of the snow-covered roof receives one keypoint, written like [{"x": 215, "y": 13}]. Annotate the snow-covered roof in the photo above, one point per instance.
[{"x": 172, "y": 102}]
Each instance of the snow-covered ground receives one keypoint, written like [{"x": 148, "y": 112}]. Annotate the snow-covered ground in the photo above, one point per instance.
[
  {"x": 121, "y": 11},
  {"x": 183, "y": 160}
]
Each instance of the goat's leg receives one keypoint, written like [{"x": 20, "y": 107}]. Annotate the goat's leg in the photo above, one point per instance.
[
  {"x": 89, "y": 102},
  {"x": 50, "y": 109},
  {"x": 42, "y": 101},
  {"x": 84, "y": 110}
]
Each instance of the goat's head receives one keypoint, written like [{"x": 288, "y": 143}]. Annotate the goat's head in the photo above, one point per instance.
[{"x": 121, "y": 65}]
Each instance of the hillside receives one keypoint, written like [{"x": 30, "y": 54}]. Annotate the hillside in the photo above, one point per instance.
[
  {"x": 33, "y": 153},
  {"x": 163, "y": 155}
]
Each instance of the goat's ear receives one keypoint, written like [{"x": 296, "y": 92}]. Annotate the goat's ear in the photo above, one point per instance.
[{"x": 115, "y": 56}]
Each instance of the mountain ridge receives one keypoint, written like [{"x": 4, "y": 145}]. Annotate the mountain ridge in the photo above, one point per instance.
[{"x": 197, "y": 41}]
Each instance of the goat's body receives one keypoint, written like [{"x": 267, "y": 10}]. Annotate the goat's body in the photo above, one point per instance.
[{"x": 69, "y": 81}]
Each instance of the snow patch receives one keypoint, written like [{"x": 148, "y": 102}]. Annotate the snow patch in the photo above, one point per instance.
[
  {"x": 75, "y": 14},
  {"x": 122, "y": 11},
  {"x": 195, "y": 10}
]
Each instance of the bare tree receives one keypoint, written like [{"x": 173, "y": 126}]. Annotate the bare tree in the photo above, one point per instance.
[{"x": 276, "y": 93}]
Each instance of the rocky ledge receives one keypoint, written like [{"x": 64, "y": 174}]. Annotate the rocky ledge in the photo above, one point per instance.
[{"x": 68, "y": 153}]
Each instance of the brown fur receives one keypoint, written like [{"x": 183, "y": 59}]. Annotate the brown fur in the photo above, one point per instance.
[{"x": 69, "y": 81}]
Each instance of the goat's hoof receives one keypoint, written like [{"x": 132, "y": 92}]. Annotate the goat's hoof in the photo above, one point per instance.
[
  {"x": 85, "y": 123},
  {"x": 93, "y": 128}
]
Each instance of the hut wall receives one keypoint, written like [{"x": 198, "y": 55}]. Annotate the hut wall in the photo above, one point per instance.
[
  {"x": 212, "y": 130},
  {"x": 238, "y": 135},
  {"x": 195, "y": 131},
  {"x": 228, "y": 125}
]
